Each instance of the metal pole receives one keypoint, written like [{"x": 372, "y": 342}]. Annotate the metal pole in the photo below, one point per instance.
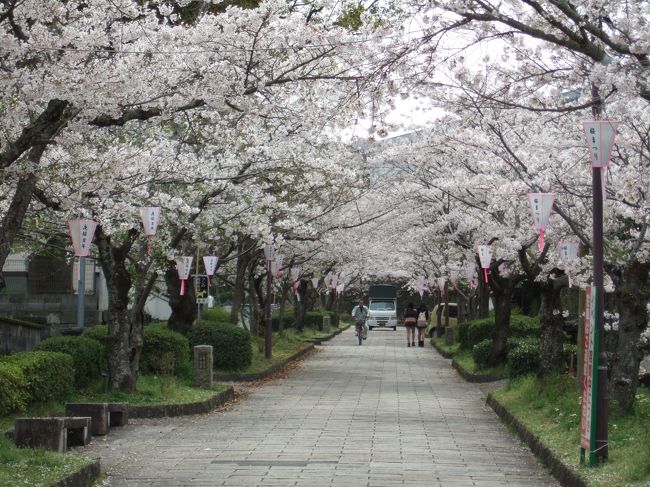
[
  {"x": 81, "y": 290},
  {"x": 599, "y": 325},
  {"x": 268, "y": 341},
  {"x": 196, "y": 286}
]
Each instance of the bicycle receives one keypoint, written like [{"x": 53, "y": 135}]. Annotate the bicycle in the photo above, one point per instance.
[{"x": 359, "y": 327}]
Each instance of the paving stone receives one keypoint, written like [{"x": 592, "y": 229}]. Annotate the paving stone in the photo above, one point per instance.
[{"x": 378, "y": 415}]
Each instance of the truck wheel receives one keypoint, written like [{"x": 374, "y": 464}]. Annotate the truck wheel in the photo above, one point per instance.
[
  {"x": 370, "y": 328},
  {"x": 394, "y": 328}
]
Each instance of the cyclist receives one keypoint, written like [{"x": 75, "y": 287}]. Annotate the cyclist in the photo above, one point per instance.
[{"x": 360, "y": 315}]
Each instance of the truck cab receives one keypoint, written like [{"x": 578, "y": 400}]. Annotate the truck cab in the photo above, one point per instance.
[{"x": 382, "y": 306}]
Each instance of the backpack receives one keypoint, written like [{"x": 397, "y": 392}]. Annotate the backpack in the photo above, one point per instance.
[{"x": 422, "y": 319}]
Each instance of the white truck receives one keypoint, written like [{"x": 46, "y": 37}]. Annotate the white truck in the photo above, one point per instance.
[{"x": 382, "y": 306}]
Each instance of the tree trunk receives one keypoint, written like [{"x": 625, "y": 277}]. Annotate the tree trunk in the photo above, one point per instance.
[
  {"x": 283, "y": 305},
  {"x": 145, "y": 282},
  {"x": 257, "y": 302},
  {"x": 501, "y": 327},
  {"x": 632, "y": 294},
  {"x": 118, "y": 283},
  {"x": 13, "y": 220},
  {"x": 301, "y": 306},
  {"x": 552, "y": 328},
  {"x": 483, "y": 298},
  {"x": 243, "y": 260},
  {"x": 184, "y": 310}
]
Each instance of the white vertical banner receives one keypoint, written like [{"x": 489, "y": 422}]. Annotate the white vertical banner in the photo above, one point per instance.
[
  {"x": 568, "y": 252},
  {"x": 82, "y": 232},
  {"x": 485, "y": 257},
  {"x": 470, "y": 273},
  {"x": 150, "y": 216},
  {"x": 315, "y": 281},
  {"x": 183, "y": 267},
  {"x": 541, "y": 205},
  {"x": 419, "y": 286},
  {"x": 453, "y": 275},
  {"x": 210, "y": 262},
  {"x": 600, "y": 135}
]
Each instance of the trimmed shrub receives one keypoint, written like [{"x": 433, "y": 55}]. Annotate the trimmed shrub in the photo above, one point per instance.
[
  {"x": 524, "y": 326},
  {"x": 215, "y": 314},
  {"x": 524, "y": 357},
  {"x": 479, "y": 330},
  {"x": 481, "y": 353},
  {"x": 160, "y": 345},
  {"x": 13, "y": 393},
  {"x": 98, "y": 333},
  {"x": 463, "y": 331},
  {"x": 48, "y": 375},
  {"x": 231, "y": 344},
  {"x": 87, "y": 356}
]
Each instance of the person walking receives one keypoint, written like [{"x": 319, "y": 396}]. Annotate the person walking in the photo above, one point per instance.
[
  {"x": 410, "y": 321},
  {"x": 423, "y": 319},
  {"x": 359, "y": 316}
]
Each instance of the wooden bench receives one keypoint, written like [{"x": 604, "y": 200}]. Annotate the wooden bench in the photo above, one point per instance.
[
  {"x": 103, "y": 414},
  {"x": 54, "y": 433}
]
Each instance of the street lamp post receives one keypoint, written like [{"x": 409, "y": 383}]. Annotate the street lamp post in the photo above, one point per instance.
[
  {"x": 268, "y": 341},
  {"x": 599, "y": 136},
  {"x": 81, "y": 232}
]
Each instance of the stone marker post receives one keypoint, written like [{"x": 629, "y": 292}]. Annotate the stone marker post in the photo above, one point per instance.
[
  {"x": 449, "y": 335},
  {"x": 327, "y": 323},
  {"x": 203, "y": 366}
]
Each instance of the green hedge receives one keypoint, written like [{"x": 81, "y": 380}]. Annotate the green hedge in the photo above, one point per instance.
[
  {"x": 88, "y": 356},
  {"x": 473, "y": 332},
  {"x": 231, "y": 344},
  {"x": 98, "y": 333},
  {"x": 48, "y": 375},
  {"x": 477, "y": 331},
  {"x": 524, "y": 326},
  {"x": 481, "y": 353},
  {"x": 165, "y": 351},
  {"x": 13, "y": 389},
  {"x": 215, "y": 314},
  {"x": 523, "y": 358}
]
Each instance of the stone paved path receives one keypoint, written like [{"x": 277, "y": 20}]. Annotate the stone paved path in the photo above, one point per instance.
[{"x": 376, "y": 415}]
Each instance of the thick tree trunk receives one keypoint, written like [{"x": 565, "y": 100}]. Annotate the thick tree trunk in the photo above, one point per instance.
[
  {"x": 118, "y": 282},
  {"x": 13, "y": 220},
  {"x": 632, "y": 294},
  {"x": 301, "y": 306},
  {"x": 502, "y": 308},
  {"x": 483, "y": 298},
  {"x": 552, "y": 328},
  {"x": 142, "y": 290},
  {"x": 257, "y": 302},
  {"x": 243, "y": 260},
  {"x": 184, "y": 310}
]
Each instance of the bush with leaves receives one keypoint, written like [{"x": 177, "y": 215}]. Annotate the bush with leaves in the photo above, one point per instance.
[
  {"x": 87, "y": 356},
  {"x": 13, "y": 389},
  {"x": 477, "y": 331},
  {"x": 48, "y": 375},
  {"x": 161, "y": 343},
  {"x": 231, "y": 344},
  {"x": 524, "y": 326},
  {"x": 216, "y": 314},
  {"x": 523, "y": 358},
  {"x": 481, "y": 353}
]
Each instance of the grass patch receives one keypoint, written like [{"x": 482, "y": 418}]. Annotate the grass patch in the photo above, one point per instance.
[
  {"x": 440, "y": 343},
  {"x": 466, "y": 361},
  {"x": 35, "y": 467},
  {"x": 152, "y": 390},
  {"x": 550, "y": 409}
]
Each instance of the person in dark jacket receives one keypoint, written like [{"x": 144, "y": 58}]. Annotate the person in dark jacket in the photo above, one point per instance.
[
  {"x": 421, "y": 323},
  {"x": 410, "y": 321}
]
